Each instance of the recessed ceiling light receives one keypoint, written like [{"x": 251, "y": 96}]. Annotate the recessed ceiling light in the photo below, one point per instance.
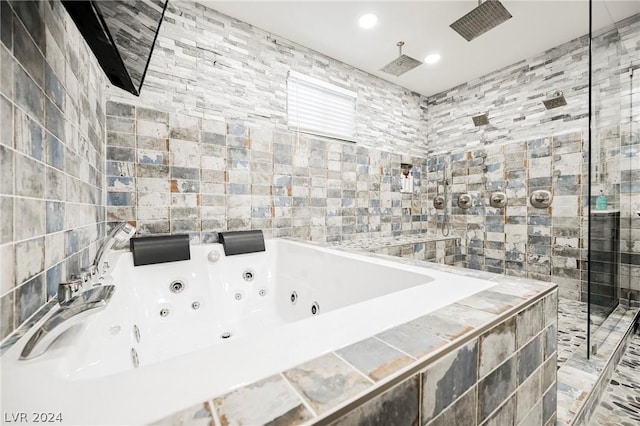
[
  {"x": 432, "y": 59},
  {"x": 368, "y": 21}
]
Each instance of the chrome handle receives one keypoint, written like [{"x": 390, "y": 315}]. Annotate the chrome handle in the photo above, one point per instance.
[
  {"x": 541, "y": 199},
  {"x": 68, "y": 289},
  {"x": 83, "y": 276},
  {"x": 465, "y": 201},
  {"x": 498, "y": 200}
]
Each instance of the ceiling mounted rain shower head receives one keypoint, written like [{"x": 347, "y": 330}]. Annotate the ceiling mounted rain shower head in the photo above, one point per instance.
[
  {"x": 401, "y": 64},
  {"x": 556, "y": 101},
  {"x": 480, "y": 120},
  {"x": 486, "y": 16}
]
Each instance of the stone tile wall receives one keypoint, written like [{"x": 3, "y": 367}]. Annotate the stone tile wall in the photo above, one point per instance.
[
  {"x": 519, "y": 240},
  {"x": 206, "y": 147},
  {"x": 175, "y": 173},
  {"x": 51, "y": 155},
  {"x": 544, "y": 245},
  {"x": 211, "y": 66}
]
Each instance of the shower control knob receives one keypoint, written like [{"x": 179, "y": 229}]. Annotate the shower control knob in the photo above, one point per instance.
[
  {"x": 498, "y": 199},
  {"x": 541, "y": 199},
  {"x": 438, "y": 202},
  {"x": 465, "y": 201}
]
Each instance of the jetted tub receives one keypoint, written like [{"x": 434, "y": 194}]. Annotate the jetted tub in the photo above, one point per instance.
[{"x": 178, "y": 333}]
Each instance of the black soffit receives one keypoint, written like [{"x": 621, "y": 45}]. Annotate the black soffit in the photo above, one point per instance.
[{"x": 96, "y": 28}]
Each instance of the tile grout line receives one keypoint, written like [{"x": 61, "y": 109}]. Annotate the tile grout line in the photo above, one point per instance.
[
  {"x": 369, "y": 379},
  {"x": 393, "y": 347},
  {"x": 542, "y": 392},
  {"x": 214, "y": 412},
  {"x": 306, "y": 404}
]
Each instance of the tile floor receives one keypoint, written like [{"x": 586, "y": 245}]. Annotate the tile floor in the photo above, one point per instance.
[{"x": 572, "y": 326}]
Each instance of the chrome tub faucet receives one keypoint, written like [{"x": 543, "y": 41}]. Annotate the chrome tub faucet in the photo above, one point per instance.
[
  {"x": 70, "y": 312},
  {"x": 75, "y": 302}
]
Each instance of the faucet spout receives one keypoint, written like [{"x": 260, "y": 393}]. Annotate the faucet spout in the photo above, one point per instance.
[{"x": 66, "y": 316}]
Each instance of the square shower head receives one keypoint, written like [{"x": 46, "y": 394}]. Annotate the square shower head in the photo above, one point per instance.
[
  {"x": 480, "y": 120},
  {"x": 558, "y": 100},
  {"x": 401, "y": 65},
  {"x": 486, "y": 16}
]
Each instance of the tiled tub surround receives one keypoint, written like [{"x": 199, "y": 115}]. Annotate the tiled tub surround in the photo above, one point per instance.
[
  {"x": 51, "y": 155},
  {"x": 494, "y": 348},
  {"x": 489, "y": 359},
  {"x": 432, "y": 248}
]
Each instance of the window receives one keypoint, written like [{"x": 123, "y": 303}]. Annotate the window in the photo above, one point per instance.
[{"x": 317, "y": 107}]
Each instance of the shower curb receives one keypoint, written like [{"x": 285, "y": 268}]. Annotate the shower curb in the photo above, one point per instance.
[{"x": 582, "y": 381}]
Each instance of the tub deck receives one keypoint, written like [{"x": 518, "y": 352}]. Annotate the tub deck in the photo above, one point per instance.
[
  {"x": 333, "y": 383},
  {"x": 388, "y": 362}
]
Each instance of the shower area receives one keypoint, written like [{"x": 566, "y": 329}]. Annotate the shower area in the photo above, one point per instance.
[{"x": 557, "y": 200}]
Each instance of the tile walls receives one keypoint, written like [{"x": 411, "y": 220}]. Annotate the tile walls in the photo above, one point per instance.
[
  {"x": 174, "y": 173},
  {"x": 616, "y": 156},
  {"x": 51, "y": 155},
  {"x": 520, "y": 240},
  {"x": 210, "y": 66},
  {"x": 526, "y": 147},
  {"x": 206, "y": 147}
]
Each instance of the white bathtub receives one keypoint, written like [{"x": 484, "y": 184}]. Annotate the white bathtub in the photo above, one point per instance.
[{"x": 89, "y": 374}]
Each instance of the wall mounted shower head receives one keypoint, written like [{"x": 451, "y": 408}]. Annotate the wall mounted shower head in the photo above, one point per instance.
[
  {"x": 480, "y": 120},
  {"x": 486, "y": 16},
  {"x": 401, "y": 64},
  {"x": 557, "y": 100}
]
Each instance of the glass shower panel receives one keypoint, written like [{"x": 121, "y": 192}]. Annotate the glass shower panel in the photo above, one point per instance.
[
  {"x": 629, "y": 277},
  {"x": 614, "y": 187},
  {"x": 604, "y": 237}
]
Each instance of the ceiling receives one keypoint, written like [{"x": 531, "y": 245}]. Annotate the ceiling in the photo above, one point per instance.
[{"x": 331, "y": 28}]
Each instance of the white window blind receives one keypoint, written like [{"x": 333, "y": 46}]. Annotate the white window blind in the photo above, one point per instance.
[{"x": 321, "y": 108}]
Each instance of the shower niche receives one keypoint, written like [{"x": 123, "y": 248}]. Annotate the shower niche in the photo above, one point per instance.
[{"x": 407, "y": 178}]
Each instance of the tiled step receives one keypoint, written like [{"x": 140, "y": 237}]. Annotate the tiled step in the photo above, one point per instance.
[
  {"x": 620, "y": 403},
  {"x": 581, "y": 381}
]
